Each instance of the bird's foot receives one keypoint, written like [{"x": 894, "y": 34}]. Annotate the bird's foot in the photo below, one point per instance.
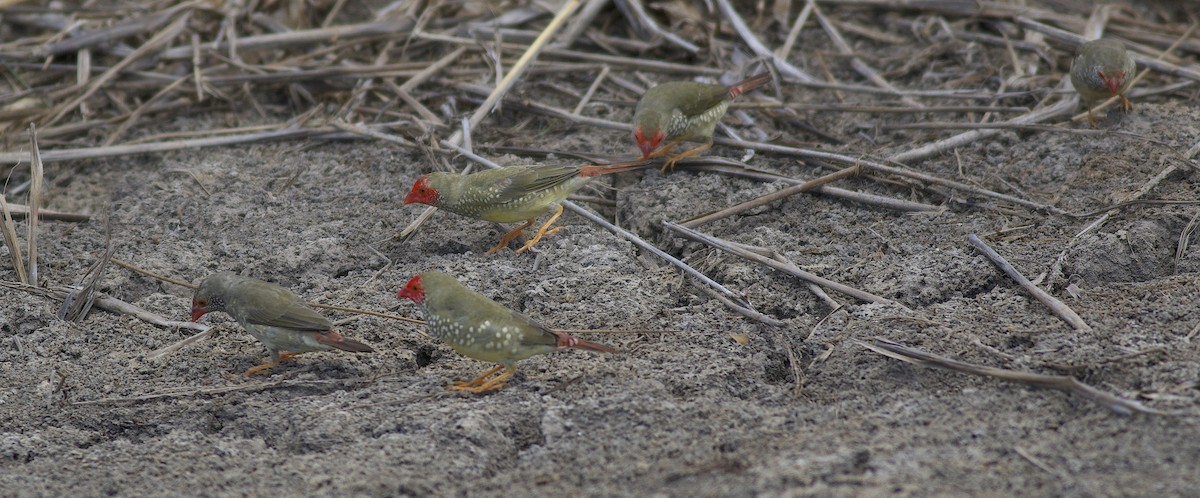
[
  {"x": 662, "y": 151},
  {"x": 261, "y": 368},
  {"x": 512, "y": 234},
  {"x": 544, "y": 231},
  {"x": 1126, "y": 105},
  {"x": 491, "y": 385},
  {"x": 476, "y": 382},
  {"x": 1091, "y": 117},
  {"x": 669, "y": 165},
  {"x": 495, "y": 384}
]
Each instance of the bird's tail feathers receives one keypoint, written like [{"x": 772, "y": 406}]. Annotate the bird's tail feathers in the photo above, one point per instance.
[
  {"x": 338, "y": 341},
  {"x": 604, "y": 169},
  {"x": 570, "y": 341},
  {"x": 748, "y": 84}
]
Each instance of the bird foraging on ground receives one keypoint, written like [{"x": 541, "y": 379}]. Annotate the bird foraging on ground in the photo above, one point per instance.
[
  {"x": 273, "y": 315},
  {"x": 509, "y": 194},
  {"x": 480, "y": 328},
  {"x": 680, "y": 111},
  {"x": 1102, "y": 69}
]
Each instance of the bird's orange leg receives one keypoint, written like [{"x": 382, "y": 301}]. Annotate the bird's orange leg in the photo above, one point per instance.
[
  {"x": 1126, "y": 105},
  {"x": 543, "y": 231},
  {"x": 264, "y": 366},
  {"x": 269, "y": 364},
  {"x": 1091, "y": 116},
  {"x": 664, "y": 150},
  {"x": 669, "y": 165},
  {"x": 496, "y": 383},
  {"x": 476, "y": 382},
  {"x": 512, "y": 234}
]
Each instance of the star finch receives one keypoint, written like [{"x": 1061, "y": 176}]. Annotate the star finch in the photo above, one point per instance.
[
  {"x": 1102, "y": 69},
  {"x": 509, "y": 194},
  {"x": 273, "y": 315},
  {"x": 482, "y": 329},
  {"x": 680, "y": 111}
]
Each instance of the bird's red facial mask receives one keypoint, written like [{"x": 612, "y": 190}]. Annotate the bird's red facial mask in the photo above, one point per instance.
[
  {"x": 414, "y": 290},
  {"x": 199, "y": 308},
  {"x": 1113, "y": 82},
  {"x": 647, "y": 144},
  {"x": 422, "y": 192}
]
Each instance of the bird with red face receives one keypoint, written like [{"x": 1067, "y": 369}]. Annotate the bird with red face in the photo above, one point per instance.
[
  {"x": 483, "y": 329},
  {"x": 509, "y": 194},
  {"x": 672, "y": 113},
  {"x": 273, "y": 315},
  {"x": 1102, "y": 69}
]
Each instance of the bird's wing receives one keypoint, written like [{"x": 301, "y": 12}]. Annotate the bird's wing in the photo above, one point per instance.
[
  {"x": 275, "y": 306},
  {"x": 534, "y": 179},
  {"x": 535, "y": 333},
  {"x": 703, "y": 98}
]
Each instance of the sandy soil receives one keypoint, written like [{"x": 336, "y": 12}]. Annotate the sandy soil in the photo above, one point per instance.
[{"x": 687, "y": 413}]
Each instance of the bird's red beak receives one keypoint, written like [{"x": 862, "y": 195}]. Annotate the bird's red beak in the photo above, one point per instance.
[
  {"x": 1113, "y": 82},
  {"x": 646, "y": 148},
  {"x": 197, "y": 313},
  {"x": 647, "y": 144}
]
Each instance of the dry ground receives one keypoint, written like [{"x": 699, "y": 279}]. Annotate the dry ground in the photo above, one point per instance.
[{"x": 802, "y": 409}]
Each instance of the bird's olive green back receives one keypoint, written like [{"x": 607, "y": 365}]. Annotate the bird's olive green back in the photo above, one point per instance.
[
  {"x": 509, "y": 194},
  {"x": 689, "y": 97},
  {"x": 449, "y": 299},
  {"x": 264, "y": 303}
]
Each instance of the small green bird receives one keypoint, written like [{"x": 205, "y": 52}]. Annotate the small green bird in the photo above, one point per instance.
[
  {"x": 482, "y": 329},
  {"x": 509, "y": 194},
  {"x": 1102, "y": 69},
  {"x": 680, "y": 111},
  {"x": 273, "y": 315}
]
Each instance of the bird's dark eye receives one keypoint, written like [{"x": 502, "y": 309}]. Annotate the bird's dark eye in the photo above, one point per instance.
[{"x": 201, "y": 303}]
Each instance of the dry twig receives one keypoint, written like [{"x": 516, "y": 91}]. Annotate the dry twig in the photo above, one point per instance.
[
  {"x": 1061, "y": 382},
  {"x": 1059, "y": 308}
]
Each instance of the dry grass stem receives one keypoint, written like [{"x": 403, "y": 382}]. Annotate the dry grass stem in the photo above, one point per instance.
[
  {"x": 1117, "y": 404},
  {"x": 772, "y": 197},
  {"x": 784, "y": 67},
  {"x": 1063, "y": 107},
  {"x": 11, "y": 242},
  {"x": 360, "y": 311},
  {"x": 37, "y": 175},
  {"x": 785, "y": 267},
  {"x": 794, "y": 33},
  {"x": 19, "y": 211},
  {"x": 859, "y": 66},
  {"x": 155, "y": 43},
  {"x": 107, "y": 303},
  {"x": 591, "y": 90},
  {"x": 77, "y": 303},
  {"x": 1059, "y": 308},
  {"x": 157, "y": 276},
  {"x": 648, "y": 29}
]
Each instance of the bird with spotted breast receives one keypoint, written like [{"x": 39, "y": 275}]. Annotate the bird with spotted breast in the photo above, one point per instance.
[
  {"x": 480, "y": 328},
  {"x": 1102, "y": 69},
  {"x": 272, "y": 314},
  {"x": 681, "y": 111},
  {"x": 509, "y": 194}
]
